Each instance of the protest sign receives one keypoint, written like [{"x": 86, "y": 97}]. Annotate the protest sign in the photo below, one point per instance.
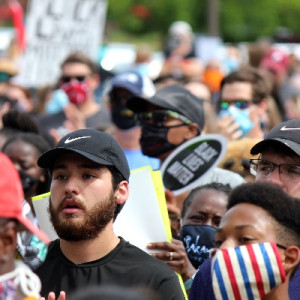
[
  {"x": 54, "y": 28},
  {"x": 185, "y": 167}
]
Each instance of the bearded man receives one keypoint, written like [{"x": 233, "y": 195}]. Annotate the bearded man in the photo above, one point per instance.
[{"x": 89, "y": 186}]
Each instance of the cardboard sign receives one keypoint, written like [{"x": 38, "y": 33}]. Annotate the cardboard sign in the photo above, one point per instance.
[
  {"x": 184, "y": 168},
  {"x": 54, "y": 29}
]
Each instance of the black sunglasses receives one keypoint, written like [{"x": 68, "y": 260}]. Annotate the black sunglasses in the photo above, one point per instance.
[{"x": 67, "y": 79}]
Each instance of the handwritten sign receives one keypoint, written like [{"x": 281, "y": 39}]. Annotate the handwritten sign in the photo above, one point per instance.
[
  {"x": 184, "y": 168},
  {"x": 54, "y": 28}
]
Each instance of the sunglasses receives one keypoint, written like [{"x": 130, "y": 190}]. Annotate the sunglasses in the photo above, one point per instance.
[
  {"x": 4, "y": 77},
  {"x": 67, "y": 79},
  {"x": 241, "y": 104},
  {"x": 159, "y": 117}
]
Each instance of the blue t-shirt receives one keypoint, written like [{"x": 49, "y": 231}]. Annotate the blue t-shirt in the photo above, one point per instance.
[{"x": 136, "y": 159}]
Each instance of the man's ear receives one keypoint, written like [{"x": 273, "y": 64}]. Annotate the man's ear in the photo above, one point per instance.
[
  {"x": 263, "y": 106},
  {"x": 192, "y": 132},
  {"x": 122, "y": 192},
  {"x": 292, "y": 258}
]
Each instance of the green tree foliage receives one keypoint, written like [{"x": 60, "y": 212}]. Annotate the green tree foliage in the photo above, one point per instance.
[{"x": 240, "y": 20}]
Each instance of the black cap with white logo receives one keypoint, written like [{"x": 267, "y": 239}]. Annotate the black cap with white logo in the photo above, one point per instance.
[
  {"x": 92, "y": 144},
  {"x": 286, "y": 133}
]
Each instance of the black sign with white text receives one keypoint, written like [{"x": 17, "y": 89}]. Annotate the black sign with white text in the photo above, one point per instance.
[{"x": 183, "y": 169}]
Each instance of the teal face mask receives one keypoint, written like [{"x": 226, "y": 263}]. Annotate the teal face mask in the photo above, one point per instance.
[{"x": 241, "y": 116}]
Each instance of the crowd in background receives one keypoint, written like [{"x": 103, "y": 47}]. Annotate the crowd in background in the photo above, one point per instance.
[{"x": 241, "y": 96}]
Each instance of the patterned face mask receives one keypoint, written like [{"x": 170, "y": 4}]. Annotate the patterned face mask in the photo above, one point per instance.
[
  {"x": 77, "y": 92},
  {"x": 247, "y": 272},
  {"x": 198, "y": 241}
]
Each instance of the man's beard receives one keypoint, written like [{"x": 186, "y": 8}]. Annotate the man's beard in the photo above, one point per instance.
[{"x": 95, "y": 220}]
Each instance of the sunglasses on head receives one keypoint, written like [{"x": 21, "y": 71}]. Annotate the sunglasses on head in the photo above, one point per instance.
[
  {"x": 159, "y": 117},
  {"x": 67, "y": 79},
  {"x": 241, "y": 104}
]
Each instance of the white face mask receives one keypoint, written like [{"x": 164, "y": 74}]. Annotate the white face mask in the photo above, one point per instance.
[
  {"x": 20, "y": 280},
  {"x": 247, "y": 272}
]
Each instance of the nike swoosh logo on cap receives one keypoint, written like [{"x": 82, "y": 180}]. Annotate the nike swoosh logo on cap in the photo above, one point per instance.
[
  {"x": 284, "y": 128},
  {"x": 68, "y": 140}
]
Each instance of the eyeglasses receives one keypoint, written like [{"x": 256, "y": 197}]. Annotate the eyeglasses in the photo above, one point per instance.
[
  {"x": 241, "y": 104},
  {"x": 67, "y": 79},
  {"x": 159, "y": 117},
  {"x": 264, "y": 168}
]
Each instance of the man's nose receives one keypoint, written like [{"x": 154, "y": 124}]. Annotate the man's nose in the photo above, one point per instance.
[
  {"x": 72, "y": 185},
  {"x": 228, "y": 243}
]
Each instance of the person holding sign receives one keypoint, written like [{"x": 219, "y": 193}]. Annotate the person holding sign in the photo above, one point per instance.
[
  {"x": 89, "y": 187},
  {"x": 170, "y": 118}
]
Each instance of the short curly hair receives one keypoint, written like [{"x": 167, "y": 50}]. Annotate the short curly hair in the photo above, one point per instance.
[
  {"x": 284, "y": 209},
  {"x": 216, "y": 186}
]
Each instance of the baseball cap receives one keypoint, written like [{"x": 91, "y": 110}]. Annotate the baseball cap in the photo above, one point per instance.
[
  {"x": 97, "y": 146},
  {"x": 180, "y": 28},
  {"x": 286, "y": 133},
  {"x": 275, "y": 60},
  {"x": 12, "y": 197},
  {"x": 175, "y": 98},
  {"x": 131, "y": 81}
]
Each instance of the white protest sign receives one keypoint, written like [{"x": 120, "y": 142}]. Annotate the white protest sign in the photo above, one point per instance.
[
  {"x": 140, "y": 221},
  {"x": 41, "y": 204},
  {"x": 54, "y": 28},
  {"x": 185, "y": 166}
]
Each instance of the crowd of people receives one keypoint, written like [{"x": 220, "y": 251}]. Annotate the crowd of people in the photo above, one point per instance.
[{"x": 234, "y": 236}]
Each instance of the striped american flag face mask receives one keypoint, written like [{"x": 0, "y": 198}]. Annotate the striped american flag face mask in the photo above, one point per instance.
[{"x": 246, "y": 272}]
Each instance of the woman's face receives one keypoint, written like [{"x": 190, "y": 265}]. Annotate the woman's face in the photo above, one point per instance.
[{"x": 207, "y": 208}]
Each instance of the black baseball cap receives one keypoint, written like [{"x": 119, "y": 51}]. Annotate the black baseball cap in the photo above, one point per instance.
[
  {"x": 92, "y": 144},
  {"x": 172, "y": 97},
  {"x": 286, "y": 133}
]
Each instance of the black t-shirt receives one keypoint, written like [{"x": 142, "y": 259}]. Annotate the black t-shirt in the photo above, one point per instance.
[{"x": 126, "y": 265}]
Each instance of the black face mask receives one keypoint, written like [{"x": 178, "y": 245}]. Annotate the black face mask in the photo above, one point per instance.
[
  {"x": 123, "y": 117},
  {"x": 27, "y": 181},
  {"x": 198, "y": 241},
  {"x": 154, "y": 140}
]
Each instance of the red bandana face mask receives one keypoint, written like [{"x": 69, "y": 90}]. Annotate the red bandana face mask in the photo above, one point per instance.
[{"x": 77, "y": 92}]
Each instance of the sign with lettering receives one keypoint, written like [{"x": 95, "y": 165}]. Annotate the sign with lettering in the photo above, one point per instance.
[
  {"x": 54, "y": 29},
  {"x": 184, "y": 168}
]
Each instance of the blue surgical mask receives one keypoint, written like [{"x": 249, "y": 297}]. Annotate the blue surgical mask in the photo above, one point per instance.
[
  {"x": 57, "y": 102},
  {"x": 241, "y": 116}
]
